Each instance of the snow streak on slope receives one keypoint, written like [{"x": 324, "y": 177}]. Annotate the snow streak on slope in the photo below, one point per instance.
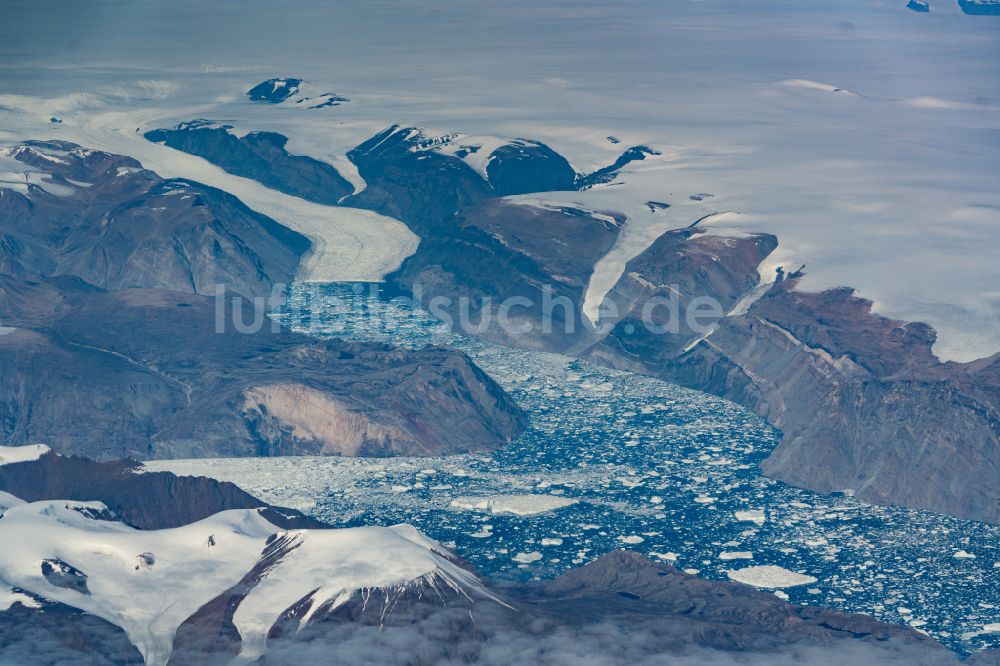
[
  {"x": 331, "y": 566},
  {"x": 16, "y": 454},
  {"x": 149, "y": 582}
]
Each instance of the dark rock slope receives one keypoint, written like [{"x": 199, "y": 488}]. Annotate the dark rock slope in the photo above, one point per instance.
[
  {"x": 619, "y": 609},
  {"x": 475, "y": 245},
  {"x": 525, "y": 166},
  {"x": 160, "y": 374},
  {"x": 863, "y": 403},
  {"x": 277, "y": 91},
  {"x": 39, "y": 632},
  {"x": 498, "y": 251},
  {"x": 260, "y": 156},
  {"x": 483, "y": 249},
  {"x": 410, "y": 181},
  {"x": 116, "y": 225},
  {"x": 688, "y": 611},
  {"x": 144, "y": 500},
  {"x": 652, "y": 313}
]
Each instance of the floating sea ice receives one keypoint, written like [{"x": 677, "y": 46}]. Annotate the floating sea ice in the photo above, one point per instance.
[
  {"x": 963, "y": 555},
  {"x": 631, "y": 539},
  {"x": 519, "y": 505},
  {"x": 751, "y": 516},
  {"x": 528, "y": 558},
  {"x": 736, "y": 555},
  {"x": 769, "y": 576},
  {"x": 669, "y": 557}
]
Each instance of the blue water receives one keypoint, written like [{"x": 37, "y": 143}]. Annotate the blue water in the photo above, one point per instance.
[{"x": 651, "y": 466}]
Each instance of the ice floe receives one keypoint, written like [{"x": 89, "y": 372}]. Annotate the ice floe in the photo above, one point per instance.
[{"x": 770, "y": 576}]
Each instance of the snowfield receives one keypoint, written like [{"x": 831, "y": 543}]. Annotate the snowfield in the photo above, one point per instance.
[{"x": 149, "y": 582}]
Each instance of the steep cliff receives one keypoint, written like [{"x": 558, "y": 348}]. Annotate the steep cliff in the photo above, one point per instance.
[
  {"x": 105, "y": 219},
  {"x": 159, "y": 374},
  {"x": 863, "y": 403}
]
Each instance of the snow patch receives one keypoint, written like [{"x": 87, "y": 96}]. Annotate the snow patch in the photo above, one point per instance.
[
  {"x": 9, "y": 597},
  {"x": 26, "y": 453}
]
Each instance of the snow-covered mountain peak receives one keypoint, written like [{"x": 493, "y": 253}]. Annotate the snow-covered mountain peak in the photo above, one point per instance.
[{"x": 150, "y": 582}]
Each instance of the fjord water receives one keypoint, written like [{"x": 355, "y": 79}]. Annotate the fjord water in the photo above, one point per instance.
[{"x": 617, "y": 460}]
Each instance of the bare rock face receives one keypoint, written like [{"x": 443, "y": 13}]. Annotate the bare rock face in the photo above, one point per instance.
[
  {"x": 423, "y": 188},
  {"x": 258, "y": 155},
  {"x": 865, "y": 406},
  {"x": 315, "y": 416},
  {"x": 61, "y": 574},
  {"x": 863, "y": 403},
  {"x": 653, "y": 309},
  {"x": 689, "y": 611},
  {"x": 147, "y": 374},
  {"x": 105, "y": 219},
  {"x": 39, "y": 632},
  {"x": 621, "y": 608},
  {"x": 144, "y": 500}
]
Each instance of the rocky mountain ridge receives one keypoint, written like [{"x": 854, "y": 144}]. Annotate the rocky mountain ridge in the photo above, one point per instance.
[
  {"x": 863, "y": 403},
  {"x": 105, "y": 219},
  {"x": 149, "y": 373}
]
